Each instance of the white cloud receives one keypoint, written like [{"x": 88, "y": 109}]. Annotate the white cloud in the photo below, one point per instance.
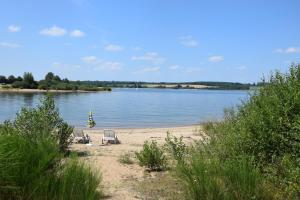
[
  {"x": 100, "y": 64},
  {"x": 242, "y": 67},
  {"x": 148, "y": 69},
  {"x": 216, "y": 59},
  {"x": 188, "y": 41},
  {"x": 109, "y": 65},
  {"x": 53, "y": 31},
  {"x": 150, "y": 56},
  {"x": 77, "y": 33},
  {"x": 113, "y": 47},
  {"x": 9, "y": 45},
  {"x": 90, "y": 59},
  {"x": 288, "y": 50},
  {"x": 14, "y": 28},
  {"x": 174, "y": 67}
]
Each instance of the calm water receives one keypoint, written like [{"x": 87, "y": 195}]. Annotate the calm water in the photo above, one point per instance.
[{"x": 131, "y": 107}]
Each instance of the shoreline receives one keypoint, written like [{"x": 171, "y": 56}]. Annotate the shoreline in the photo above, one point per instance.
[
  {"x": 84, "y": 128},
  {"x": 15, "y": 90}
]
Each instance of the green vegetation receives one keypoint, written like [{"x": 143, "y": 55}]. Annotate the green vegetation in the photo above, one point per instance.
[
  {"x": 175, "y": 147},
  {"x": 254, "y": 153},
  {"x": 126, "y": 159},
  {"x": 51, "y": 82},
  {"x": 152, "y": 156},
  {"x": 177, "y": 85},
  {"x": 32, "y": 158}
]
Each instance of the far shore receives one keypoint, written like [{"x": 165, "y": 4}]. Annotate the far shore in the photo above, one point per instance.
[
  {"x": 16, "y": 90},
  {"x": 120, "y": 180}
]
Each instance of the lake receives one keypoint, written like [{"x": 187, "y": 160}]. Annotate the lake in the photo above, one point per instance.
[{"x": 132, "y": 107}]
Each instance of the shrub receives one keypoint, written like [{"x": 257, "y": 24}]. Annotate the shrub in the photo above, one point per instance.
[
  {"x": 175, "y": 146},
  {"x": 32, "y": 165},
  {"x": 34, "y": 170},
  {"x": 17, "y": 84},
  {"x": 77, "y": 181},
  {"x": 209, "y": 178},
  {"x": 43, "y": 121},
  {"x": 126, "y": 159},
  {"x": 152, "y": 156},
  {"x": 267, "y": 129}
]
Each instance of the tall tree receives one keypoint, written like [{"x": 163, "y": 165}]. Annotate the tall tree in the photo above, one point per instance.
[
  {"x": 3, "y": 79},
  {"x": 49, "y": 76},
  {"x": 28, "y": 80},
  {"x": 11, "y": 79}
]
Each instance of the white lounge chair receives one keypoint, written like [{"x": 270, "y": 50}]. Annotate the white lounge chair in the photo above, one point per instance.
[
  {"x": 78, "y": 137},
  {"x": 110, "y": 137}
]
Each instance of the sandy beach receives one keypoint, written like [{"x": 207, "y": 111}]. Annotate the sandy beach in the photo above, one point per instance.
[{"x": 119, "y": 180}]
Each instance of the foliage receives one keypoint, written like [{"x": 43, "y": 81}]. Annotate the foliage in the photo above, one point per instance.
[
  {"x": 3, "y": 79},
  {"x": 177, "y": 85},
  {"x": 175, "y": 146},
  {"x": 34, "y": 170},
  {"x": 267, "y": 129},
  {"x": 27, "y": 82},
  {"x": 32, "y": 163},
  {"x": 77, "y": 181},
  {"x": 126, "y": 159},
  {"x": 43, "y": 121},
  {"x": 152, "y": 156},
  {"x": 51, "y": 82},
  {"x": 204, "y": 176},
  {"x": 11, "y": 79}
]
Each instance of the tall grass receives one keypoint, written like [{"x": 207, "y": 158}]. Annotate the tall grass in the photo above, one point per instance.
[
  {"x": 254, "y": 153},
  {"x": 32, "y": 165}
]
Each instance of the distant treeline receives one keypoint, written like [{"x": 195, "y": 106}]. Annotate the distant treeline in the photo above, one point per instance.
[
  {"x": 50, "y": 82},
  {"x": 177, "y": 85},
  {"x": 54, "y": 82}
]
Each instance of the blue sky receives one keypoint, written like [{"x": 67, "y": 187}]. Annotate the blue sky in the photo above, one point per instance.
[{"x": 149, "y": 40}]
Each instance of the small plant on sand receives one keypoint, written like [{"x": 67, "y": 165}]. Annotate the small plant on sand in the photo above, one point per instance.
[
  {"x": 175, "y": 146},
  {"x": 126, "y": 159},
  {"x": 152, "y": 156}
]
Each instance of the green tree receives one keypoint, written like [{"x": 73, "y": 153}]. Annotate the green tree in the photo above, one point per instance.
[
  {"x": 11, "y": 79},
  {"x": 19, "y": 78},
  {"x": 49, "y": 76},
  {"x": 28, "y": 80},
  {"x": 56, "y": 78},
  {"x": 3, "y": 79}
]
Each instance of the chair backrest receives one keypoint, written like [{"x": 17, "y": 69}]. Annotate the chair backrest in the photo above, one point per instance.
[
  {"x": 109, "y": 133},
  {"x": 78, "y": 133}
]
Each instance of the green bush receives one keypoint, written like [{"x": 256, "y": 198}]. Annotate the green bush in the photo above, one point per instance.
[
  {"x": 152, "y": 156},
  {"x": 267, "y": 129},
  {"x": 32, "y": 162},
  {"x": 175, "y": 146},
  {"x": 34, "y": 170},
  {"x": 43, "y": 121},
  {"x": 77, "y": 181},
  {"x": 204, "y": 176}
]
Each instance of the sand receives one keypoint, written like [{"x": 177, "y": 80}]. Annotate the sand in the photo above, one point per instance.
[{"x": 119, "y": 179}]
